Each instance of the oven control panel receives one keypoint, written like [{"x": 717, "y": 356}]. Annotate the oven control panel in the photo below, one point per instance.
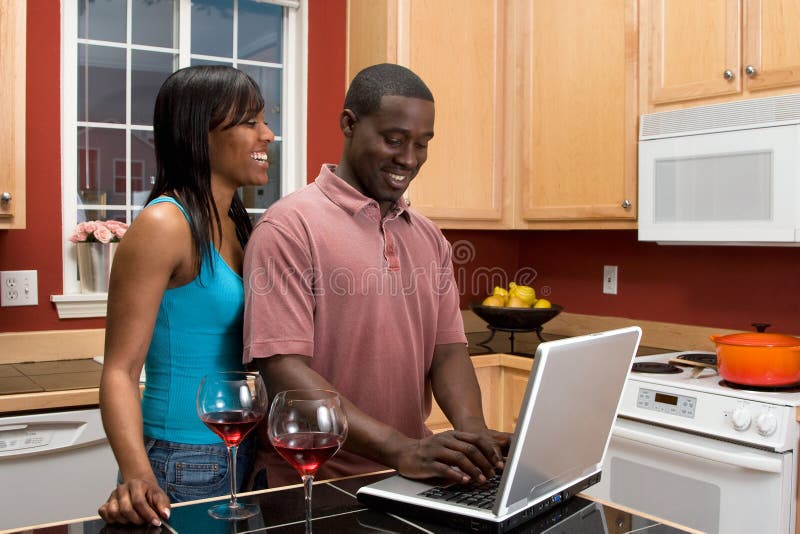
[{"x": 682, "y": 405}]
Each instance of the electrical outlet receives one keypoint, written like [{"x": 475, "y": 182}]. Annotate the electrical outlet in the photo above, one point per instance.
[
  {"x": 19, "y": 288},
  {"x": 610, "y": 279}
]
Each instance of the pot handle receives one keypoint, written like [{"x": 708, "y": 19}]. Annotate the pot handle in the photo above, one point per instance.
[{"x": 714, "y": 337}]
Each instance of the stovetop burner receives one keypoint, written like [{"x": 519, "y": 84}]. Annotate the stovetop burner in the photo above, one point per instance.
[
  {"x": 792, "y": 388},
  {"x": 699, "y": 357},
  {"x": 655, "y": 367}
]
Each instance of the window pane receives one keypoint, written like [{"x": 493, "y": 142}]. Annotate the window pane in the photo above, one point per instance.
[
  {"x": 148, "y": 72},
  {"x": 104, "y": 21},
  {"x": 101, "y": 84},
  {"x": 143, "y": 166},
  {"x": 261, "y": 197},
  {"x": 195, "y": 61},
  {"x": 269, "y": 80},
  {"x": 154, "y": 23},
  {"x": 99, "y": 152},
  {"x": 260, "y": 31},
  {"x": 212, "y": 27}
]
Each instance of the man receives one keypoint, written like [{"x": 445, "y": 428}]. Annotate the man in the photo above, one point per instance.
[{"x": 349, "y": 289}]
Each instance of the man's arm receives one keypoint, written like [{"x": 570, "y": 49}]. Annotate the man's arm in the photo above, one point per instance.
[
  {"x": 456, "y": 390},
  {"x": 458, "y": 456}
]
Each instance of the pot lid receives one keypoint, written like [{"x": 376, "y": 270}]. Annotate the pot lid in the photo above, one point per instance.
[{"x": 757, "y": 339}]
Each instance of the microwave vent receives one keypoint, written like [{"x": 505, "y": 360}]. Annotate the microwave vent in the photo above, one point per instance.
[{"x": 740, "y": 115}]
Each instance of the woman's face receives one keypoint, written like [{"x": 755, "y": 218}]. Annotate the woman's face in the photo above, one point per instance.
[{"x": 239, "y": 154}]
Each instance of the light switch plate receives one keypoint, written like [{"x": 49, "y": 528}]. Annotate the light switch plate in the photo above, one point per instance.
[{"x": 19, "y": 288}]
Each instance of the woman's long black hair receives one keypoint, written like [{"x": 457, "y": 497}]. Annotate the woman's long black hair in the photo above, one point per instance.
[{"x": 192, "y": 102}]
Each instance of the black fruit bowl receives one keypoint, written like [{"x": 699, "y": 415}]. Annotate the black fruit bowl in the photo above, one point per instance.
[{"x": 527, "y": 319}]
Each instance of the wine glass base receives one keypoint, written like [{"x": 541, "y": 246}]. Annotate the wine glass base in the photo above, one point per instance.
[{"x": 230, "y": 513}]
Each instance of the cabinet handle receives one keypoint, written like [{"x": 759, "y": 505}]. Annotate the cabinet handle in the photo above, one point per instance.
[
  {"x": 750, "y": 70},
  {"x": 626, "y": 203},
  {"x": 5, "y": 197},
  {"x": 728, "y": 74}
]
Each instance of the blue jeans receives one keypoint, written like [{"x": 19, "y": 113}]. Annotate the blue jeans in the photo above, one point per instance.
[{"x": 187, "y": 472}]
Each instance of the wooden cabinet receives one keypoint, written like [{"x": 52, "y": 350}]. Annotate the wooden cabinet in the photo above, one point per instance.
[
  {"x": 12, "y": 114},
  {"x": 502, "y": 379},
  {"x": 574, "y": 113},
  {"x": 457, "y": 47},
  {"x": 695, "y": 53},
  {"x": 535, "y": 106}
]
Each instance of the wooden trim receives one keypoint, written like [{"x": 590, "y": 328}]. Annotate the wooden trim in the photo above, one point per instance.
[
  {"x": 49, "y": 400},
  {"x": 50, "y": 345},
  {"x": 655, "y": 334},
  {"x": 12, "y": 112}
]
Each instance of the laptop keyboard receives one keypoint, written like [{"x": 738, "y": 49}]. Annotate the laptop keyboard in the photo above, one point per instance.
[{"x": 480, "y": 496}]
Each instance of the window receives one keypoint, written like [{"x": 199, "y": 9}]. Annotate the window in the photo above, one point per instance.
[{"x": 116, "y": 55}]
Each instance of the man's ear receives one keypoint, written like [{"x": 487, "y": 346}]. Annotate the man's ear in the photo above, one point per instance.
[{"x": 347, "y": 121}]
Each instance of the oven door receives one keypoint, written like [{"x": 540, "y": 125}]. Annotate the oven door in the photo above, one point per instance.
[{"x": 703, "y": 483}]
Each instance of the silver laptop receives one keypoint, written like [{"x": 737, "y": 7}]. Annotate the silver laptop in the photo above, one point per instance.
[{"x": 557, "y": 450}]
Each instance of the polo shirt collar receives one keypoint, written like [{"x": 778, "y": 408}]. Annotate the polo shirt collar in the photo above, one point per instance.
[{"x": 350, "y": 199}]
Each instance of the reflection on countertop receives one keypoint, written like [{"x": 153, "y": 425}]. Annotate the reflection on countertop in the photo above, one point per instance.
[{"x": 525, "y": 343}]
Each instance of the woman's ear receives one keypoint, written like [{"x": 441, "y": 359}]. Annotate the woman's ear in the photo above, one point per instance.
[{"x": 347, "y": 121}]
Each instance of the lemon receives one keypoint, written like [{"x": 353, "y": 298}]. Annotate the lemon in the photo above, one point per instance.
[
  {"x": 501, "y": 292},
  {"x": 526, "y": 294},
  {"x": 493, "y": 300},
  {"x": 542, "y": 303},
  {"x": 516, "y": 302}
]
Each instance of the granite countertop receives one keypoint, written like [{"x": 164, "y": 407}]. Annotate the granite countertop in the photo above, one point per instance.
[
  {"x": 335, "y": 509},
  {"x": 64, "y": 384},
  {"x": 525, "y": 343}
]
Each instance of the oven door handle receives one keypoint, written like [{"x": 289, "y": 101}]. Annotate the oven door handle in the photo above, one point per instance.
[{"x": 742, "y": 459}]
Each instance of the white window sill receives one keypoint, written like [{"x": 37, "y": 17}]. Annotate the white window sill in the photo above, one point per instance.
[{"x": 80, "y": 305}]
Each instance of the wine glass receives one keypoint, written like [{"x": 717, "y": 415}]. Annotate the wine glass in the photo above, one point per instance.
[
  {"x": 307, "y": 427},
  {"x": 232, "y": 404}
]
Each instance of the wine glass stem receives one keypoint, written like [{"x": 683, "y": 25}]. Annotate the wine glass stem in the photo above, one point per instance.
[
  {"x": 232, "y": 469},
  {"x": 308, "y": 484}
]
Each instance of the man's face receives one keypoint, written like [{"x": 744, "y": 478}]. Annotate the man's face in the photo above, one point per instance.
[{"x": 385, "y": 150}]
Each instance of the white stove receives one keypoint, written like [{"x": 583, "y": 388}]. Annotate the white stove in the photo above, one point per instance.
[
  {"x": 690, "y": 448},
  {"x": 706, "y": 404}
]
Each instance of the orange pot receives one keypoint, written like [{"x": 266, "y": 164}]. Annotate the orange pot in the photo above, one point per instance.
[{"x": 758, "y": 359}]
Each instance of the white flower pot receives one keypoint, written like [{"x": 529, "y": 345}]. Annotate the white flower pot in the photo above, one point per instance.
[{"x": 94, "y": 266}]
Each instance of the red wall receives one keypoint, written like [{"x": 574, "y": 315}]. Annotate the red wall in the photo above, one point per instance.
[
  {"x": 723, "y": 287},
  {"x": 726, "y": 287}
]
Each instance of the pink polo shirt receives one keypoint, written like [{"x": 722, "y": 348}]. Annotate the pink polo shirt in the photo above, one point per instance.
[{"x": 366, "y": 298}]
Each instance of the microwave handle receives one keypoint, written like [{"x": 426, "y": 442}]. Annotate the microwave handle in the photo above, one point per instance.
[{"x": 743, "y": 459}]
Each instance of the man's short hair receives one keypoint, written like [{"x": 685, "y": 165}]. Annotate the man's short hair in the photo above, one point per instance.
[{"x": 385, "y": 79}]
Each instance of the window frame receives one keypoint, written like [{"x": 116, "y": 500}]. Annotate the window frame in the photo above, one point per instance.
[{"x": 294, "y": 113}]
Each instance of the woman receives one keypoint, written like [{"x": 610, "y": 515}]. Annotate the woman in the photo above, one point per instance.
[{"x": 176, "y": 297}]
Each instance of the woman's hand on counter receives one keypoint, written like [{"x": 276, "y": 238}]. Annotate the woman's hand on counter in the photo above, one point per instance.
[{"x": 137, "y": 502}]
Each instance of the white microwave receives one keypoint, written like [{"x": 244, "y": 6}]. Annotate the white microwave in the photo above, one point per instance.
[{"x": 722, "y": 174}]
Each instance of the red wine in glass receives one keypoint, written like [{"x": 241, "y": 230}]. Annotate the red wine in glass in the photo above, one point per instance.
[
  {"x": 232, "y": 425},
  {"x": 307, "y": 427},
  {"x": 231, "y": 404},
  {"x": 307, "y": 451}
]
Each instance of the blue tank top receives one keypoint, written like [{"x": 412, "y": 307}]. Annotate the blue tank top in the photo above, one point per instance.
[{"x": 198, "y": 331}]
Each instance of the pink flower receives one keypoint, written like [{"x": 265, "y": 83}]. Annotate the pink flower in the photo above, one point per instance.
[
  {"x": 103, "y": 234},
  {"x": 99, "y": 231}
]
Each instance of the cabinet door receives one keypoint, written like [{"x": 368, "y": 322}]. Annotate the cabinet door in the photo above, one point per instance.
[
  {"x": 515, "y": 381},
  {"x": 575, "y": 111},
  {"x": 692, "y": 48},
  {"x": 457, "y": 48},
  {"x": 12, "y": 114},
  {"x": 772, "y": 44}
]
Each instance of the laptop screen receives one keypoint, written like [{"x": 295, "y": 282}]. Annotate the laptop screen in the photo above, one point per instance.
[{"x": 567, "y": 413}]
